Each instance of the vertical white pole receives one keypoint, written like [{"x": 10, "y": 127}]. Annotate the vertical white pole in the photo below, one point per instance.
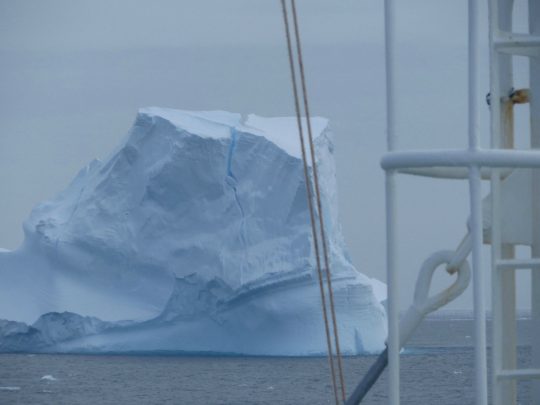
[
  {"x": 496, "y": 290},
  {"x": 476, "y": 212},
  {"x": 473, "y": 26},
  {"x": 480, "y": 360},
  {"x": 393, "y": 296},
  {"x": 534, "y": 68},
  {"x": 480, "y": 357},
  {"x": 496, "y": 281},
  {"x": 391, "y": 211},
  {"x": 503, "y": 283}
]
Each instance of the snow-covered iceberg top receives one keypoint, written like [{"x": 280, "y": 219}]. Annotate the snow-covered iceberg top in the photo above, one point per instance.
[
  {"x": 281, "y": 131},
  {"x": 195, "y": 234}
]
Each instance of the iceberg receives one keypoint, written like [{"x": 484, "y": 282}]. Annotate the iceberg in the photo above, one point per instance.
[{"x": 192, "y": 236}]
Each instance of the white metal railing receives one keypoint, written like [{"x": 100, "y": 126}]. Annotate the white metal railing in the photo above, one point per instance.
[{"x": 474, "y": 162}]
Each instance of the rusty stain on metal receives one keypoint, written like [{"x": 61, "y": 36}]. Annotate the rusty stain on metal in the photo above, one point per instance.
[
  {"x": 521, "y": 96},
  {"x": 508, "y": 123}
]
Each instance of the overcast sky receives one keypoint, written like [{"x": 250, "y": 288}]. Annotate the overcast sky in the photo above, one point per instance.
[{"x": 73, "y": 74}]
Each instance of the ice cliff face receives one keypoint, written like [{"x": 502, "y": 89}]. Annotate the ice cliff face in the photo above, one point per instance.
[{"x": 196, "y": 229}]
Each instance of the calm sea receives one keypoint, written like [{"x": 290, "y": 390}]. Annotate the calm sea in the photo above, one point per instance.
[{"x": 437, "y": 368}]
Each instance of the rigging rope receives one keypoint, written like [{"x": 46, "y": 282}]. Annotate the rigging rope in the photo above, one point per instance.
[
  {"x": 319, "y": 205},
  {"x": 310, "y": 201}
]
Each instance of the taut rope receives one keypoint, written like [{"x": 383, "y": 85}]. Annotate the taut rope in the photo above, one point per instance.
[
  {"x": 310, "y": 201},
  {"x": 319, "y": 205}
]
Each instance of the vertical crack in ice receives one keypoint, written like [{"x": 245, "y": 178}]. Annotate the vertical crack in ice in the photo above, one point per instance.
[{"x": 232, "y": 181}]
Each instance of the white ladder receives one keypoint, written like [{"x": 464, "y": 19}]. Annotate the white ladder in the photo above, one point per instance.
[{"x": 504, "y": 44}]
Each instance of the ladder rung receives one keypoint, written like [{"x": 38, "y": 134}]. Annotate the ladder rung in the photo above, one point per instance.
[
  {"x": 522, "y": 374},
  {"x": 507, "y": 264},
  {"x": 519, "y": 44}
]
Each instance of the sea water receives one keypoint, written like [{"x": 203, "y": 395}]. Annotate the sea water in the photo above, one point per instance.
[{"x": 436, "y": 368}]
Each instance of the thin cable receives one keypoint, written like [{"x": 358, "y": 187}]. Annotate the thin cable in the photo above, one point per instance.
[
  {"x": 318, "y": 199},
  {"x": 310, "y": 201}
]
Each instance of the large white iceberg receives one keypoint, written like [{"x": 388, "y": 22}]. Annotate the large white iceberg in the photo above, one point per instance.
[{"x": 192, "y": 236}]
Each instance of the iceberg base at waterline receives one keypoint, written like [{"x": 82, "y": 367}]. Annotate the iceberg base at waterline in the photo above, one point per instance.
[{"x": 192, "y": 236}]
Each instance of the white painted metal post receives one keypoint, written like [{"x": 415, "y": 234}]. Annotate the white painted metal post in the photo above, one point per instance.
[
  {"x": 496, "y": 280},
  {"x": 480, "y": 359},
  {"x": 496, "y": 288},
  {"x": 476, "y": 210},
  {"x": 391, "y": 211},
  {"x": 503, "y": 282},
  {"x": 534, "y": 29},
  {"x": 393, "y": 291}
]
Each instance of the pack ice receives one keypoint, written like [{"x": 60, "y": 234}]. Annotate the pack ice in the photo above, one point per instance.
[{"x": 192, "y": 236}]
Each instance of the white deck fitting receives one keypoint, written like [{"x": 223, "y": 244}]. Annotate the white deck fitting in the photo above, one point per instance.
[{"x": 487, "y": 222}]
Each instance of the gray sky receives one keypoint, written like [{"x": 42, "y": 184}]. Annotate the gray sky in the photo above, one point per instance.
[{"x": 73, "y": 74}]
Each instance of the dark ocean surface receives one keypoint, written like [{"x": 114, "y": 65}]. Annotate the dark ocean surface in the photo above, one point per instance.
[{"x": 436, "y": 368}]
